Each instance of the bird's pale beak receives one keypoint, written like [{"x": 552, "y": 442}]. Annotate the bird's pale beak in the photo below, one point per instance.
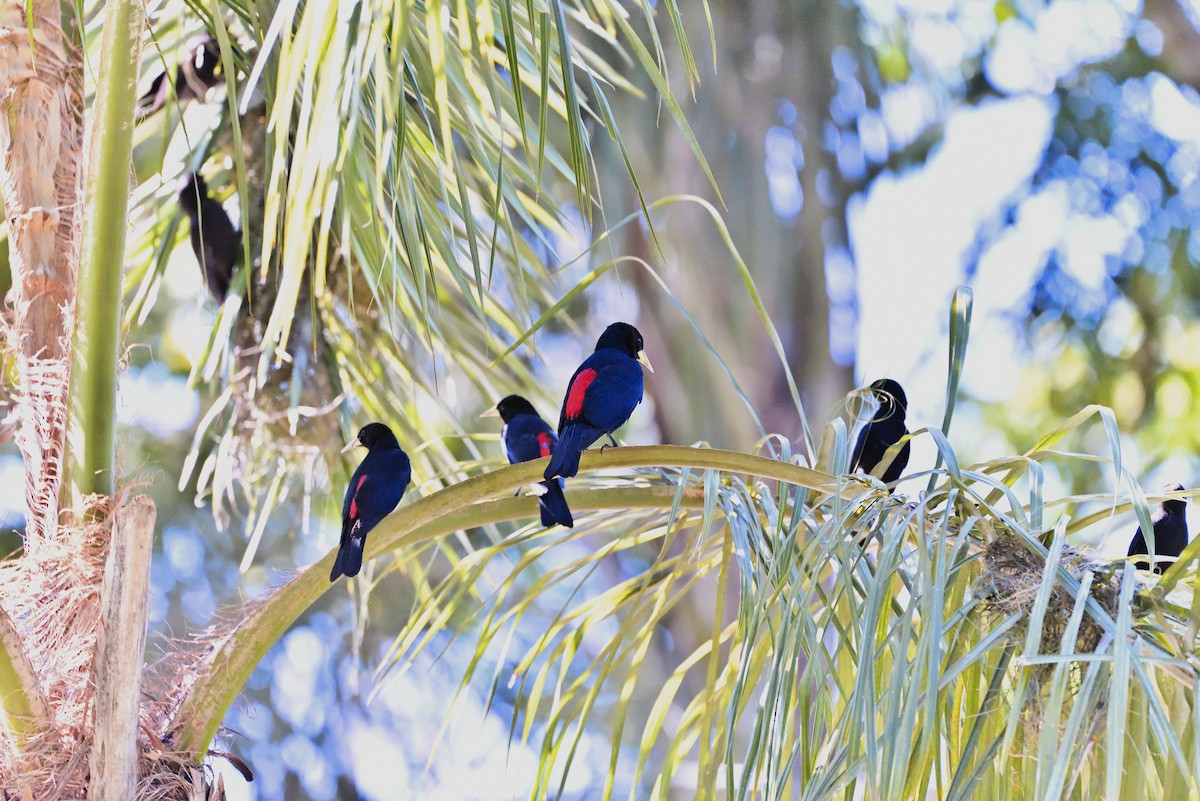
[
  {"x": 351, "y": 445},
  {"x": 492, "y": 412},
  {"x": 644, "y": 360}
]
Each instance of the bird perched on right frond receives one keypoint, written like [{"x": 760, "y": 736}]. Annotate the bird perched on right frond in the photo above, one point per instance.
[
  {"x": 1170, "y": 533},
  {"x": 526, "y": 436},
  {"x": 883, "y": 431}
]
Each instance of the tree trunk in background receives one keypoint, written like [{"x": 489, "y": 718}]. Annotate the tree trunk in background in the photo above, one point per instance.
[
  {"x": 1180, "y": 41},
  {"x": 41, "y": 141},
  {"x": 757, "y": 73},
  {"x": 786, "y": 257}
]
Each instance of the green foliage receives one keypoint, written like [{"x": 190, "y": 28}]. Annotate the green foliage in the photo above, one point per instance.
[
  {"x": 96, "y": 340},
  {"x": 401, "y": 172},
  {"x": 949, "y": 646}
]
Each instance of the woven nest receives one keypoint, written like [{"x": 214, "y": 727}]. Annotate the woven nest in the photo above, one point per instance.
[{"x": 1009, "y": 584}]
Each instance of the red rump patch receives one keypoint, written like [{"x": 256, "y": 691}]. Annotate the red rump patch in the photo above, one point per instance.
[
  {"x": 578, "y": 390},
  {"x": 354, "y": 499},
  {"x": 544, "y": 443}
]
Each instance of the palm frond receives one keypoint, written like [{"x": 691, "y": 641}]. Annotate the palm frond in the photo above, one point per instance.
[
  {"x": 456, "y": 508},
  {"x": 407, "y": 192},
  {"x": 901, "y": 649}
]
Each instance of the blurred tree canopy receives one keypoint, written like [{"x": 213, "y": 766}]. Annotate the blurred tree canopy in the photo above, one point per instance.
[
  {"x": 1123, "y": 162},
  {"x": 809, "y": 104}
]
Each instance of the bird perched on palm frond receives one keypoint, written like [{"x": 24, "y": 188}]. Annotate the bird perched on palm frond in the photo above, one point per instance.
[
  {"x": 375, "y": 490},
  {"x": 526, "y": 436},
  {"x": 601, "y": 395},
  {"x": 884, "y": 430},
  {"x": 1170, "y": 533}
]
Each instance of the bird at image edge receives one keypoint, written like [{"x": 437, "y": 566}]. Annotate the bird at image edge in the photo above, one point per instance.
[
  {"x": 601, "y": 395},
  {"x": 526, "y": 436},
  {"x": 884, "y": 430},
  {"x": 1170, "y": 532},
  {"x": 375, "y": 490}
]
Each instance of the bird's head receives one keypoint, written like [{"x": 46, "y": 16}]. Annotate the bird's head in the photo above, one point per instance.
[
  {"x": 371, "y": 436},
  {"x": 510, "y": 407},
  {"x": 627, "y": 339},
  {"x": 1179, "y": 505},
  {"x": 891, "y": 398},
  {"x": 192, "y": 191}
]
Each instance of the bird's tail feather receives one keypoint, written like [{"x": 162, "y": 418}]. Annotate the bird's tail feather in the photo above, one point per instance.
[
  {"x": 349, "y": 558},
  {"x": 571, "y": 442},
  {"x": 352, "y": 559},
  {"x": 553, "y": 505}
]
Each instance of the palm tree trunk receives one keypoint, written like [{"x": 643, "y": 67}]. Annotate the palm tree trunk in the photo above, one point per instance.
[{"x": 41, "y": 143}]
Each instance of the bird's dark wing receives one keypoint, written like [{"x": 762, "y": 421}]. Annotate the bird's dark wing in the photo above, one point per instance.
[
  {"x": 1170, "y": 531},
  {"x": 350, "y": 511},
  {"x": 375, "y": 489},
  {"x": 1170, "y": 538},
  {"x": 1171, "y": 534},
  {"x": 898, "y": 464},
  {"x": 873, "y": 443},
  {"x": 856, "y": 457},
  {"x": 217, "y": 245},
  {"x": 605, "y": 391},
  {"x": 869, "y": 449},
  {"x": 528, "y": 437},
  {"x": 1138, "y": 544}
]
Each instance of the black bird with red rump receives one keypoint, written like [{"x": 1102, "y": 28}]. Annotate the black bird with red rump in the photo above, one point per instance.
[
  {"x": 216, "y": 243},
  {"x": 526, "y": 437},
  {"x": 1170, "y": 533},
  {"x": 375, "y": 490},
  {"x": 884, "y": 430},
  {"x": 601, "y": 395}
]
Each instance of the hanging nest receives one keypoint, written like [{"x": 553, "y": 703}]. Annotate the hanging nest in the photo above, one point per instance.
[
  {"x": 1009, "y": 584},
  {"x": 1012, "y": 576}
]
